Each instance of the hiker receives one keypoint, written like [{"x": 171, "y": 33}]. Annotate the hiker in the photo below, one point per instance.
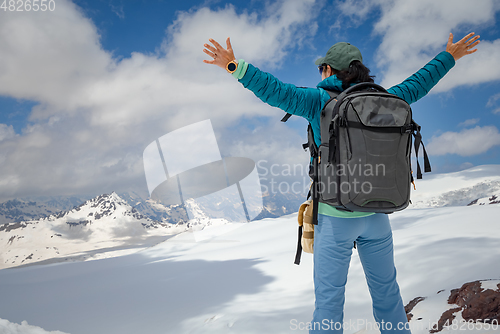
[{"x": 337, "y": 230}]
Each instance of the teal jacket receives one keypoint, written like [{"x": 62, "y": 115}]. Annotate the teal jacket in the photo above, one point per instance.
[{"x": 309, "y": 102}]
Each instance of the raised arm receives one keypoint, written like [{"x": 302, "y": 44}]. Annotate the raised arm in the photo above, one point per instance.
[
  {"x": 305, "y": 102},
  {"x": 420, "y": 83}
]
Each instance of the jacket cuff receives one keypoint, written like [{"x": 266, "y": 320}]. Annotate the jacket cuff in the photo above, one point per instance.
[
  {"x": 447, "y": 59},
  {"x": 241, "y": 69}
]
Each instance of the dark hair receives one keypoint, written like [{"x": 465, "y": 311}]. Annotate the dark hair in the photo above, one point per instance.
[{"x": 357, "y": 72}]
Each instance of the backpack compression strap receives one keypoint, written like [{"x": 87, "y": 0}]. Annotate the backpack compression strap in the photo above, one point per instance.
[
  {"x": 286, "y": 117},
  {"x": 298, "y": 254},
  {"x": 418, "y": 141}
]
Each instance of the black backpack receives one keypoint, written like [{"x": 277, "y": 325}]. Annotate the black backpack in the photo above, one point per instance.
[{"x": 363, "y": 163}]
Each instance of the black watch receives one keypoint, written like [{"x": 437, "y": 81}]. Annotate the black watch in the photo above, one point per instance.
[{"x": 232, "y": 66}]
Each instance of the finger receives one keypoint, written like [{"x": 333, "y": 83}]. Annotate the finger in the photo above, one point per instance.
[
  {"x": 466, "y": 37},
  {"x": 211, "y": 54},
  {"x": 450, "y": 40},
  {"x": 211, "y": 48},
  {"x": 471, "y": 42},
  {"x": 217, "y": 45},
  {"x": 470, "y": 51},
  {"x": 209, "y": 61},
  {"x": 228, "y": 44}
]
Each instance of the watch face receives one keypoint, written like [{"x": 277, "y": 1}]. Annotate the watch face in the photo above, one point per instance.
[{"x": 231, "y": 67}]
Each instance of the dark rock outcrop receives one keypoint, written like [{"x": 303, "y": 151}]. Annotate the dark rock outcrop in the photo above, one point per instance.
[
  {"x": 409, "y": 307},
  {"x": 475, "y": 303}
]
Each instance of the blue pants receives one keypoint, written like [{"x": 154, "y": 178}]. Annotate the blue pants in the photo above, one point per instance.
[{"x": 333, "y": 243}]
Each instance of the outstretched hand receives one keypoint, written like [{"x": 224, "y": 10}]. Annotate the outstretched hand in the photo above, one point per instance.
[
  {"x": 221, "y": 57},
  {"x": 463, "y": 46}
]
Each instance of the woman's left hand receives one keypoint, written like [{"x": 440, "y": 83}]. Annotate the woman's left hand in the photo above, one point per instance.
[{"x": 221, "y": 57}]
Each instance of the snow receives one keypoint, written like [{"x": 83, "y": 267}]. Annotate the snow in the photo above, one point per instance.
[
  {"x": 100, "y": 228},
  {"x": 490, "y": 284},
  {"x": 240, "y": 278},
  {"x": 459, "y": 188}
]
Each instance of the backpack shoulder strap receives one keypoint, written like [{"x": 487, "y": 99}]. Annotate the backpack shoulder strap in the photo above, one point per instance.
[{"x": 333, "y": 94}]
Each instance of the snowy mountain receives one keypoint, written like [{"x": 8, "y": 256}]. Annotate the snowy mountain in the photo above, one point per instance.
[
  {"x": 101, "y": 227},
  {"x": 277, "y": 204},
  {"x": 108, "y": 225},
  {"x": 154, "y": 210},
  {"x": 17, "y": 210},
  {"x": 27, "y": 209},
  {"x": 240, "y": 278}
]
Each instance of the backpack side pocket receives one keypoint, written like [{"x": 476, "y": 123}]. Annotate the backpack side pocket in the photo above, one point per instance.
[{"x": 306, "y": 221}]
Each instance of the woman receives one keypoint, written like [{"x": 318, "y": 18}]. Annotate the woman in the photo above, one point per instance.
[{"x": 337, "y": 230}]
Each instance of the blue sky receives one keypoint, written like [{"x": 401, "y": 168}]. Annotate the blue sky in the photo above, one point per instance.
[{"x": 85, "y": 88}]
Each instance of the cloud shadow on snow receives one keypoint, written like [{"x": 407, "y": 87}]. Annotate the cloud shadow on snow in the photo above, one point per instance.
[{"x": 125, "y": 294}]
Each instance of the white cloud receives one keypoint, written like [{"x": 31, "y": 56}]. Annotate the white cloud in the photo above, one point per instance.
[
  {"x": 49, "y": 57},
  {"x": 118, "y": 10},
  {"x": 492, "y": 100},
  {"x": 413, "y": 32},
  {"x": 6, "y": 132},
  {"x": 356, "y": 10},
  {"x": 469, "y": 122},
  {"x": 23, "y": 328},
  {"x": 264, "y": 39},
  {"x": 492, "y": 103},
  {"x": 482, "y": 66},
  {"x": 467, "y": 142},
  {"x": 465, "y": 165},
  {"x": 97, "y": 114}
]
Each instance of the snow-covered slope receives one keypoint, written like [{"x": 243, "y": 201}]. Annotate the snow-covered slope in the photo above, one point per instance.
[
  {"x": 456, "y": 189},
  {"x": 240, "y": 278},
  {"x": 245, "y": 281}
]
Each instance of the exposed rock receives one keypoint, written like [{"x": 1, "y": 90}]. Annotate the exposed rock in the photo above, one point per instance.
[
  {"x": 474, "y": 301},
  {"x": 477, "y": 303},
  {"x": 446, "y": 318},
  {"x": 411, "y": 305},
  {"x": 473, "y": 202},
  {"x": 486, "y": 200},
  {"x": 10, "y": 227}
]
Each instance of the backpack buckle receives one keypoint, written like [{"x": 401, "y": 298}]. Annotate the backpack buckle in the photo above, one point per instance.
[
  {"x": 407, "y": 129},
  {"x": 342, "y": 122}
]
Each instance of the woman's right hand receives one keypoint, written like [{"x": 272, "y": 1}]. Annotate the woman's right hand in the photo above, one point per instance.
[
  {"x": 221, "y": 57},
  {"x": 463, "y": 46}
]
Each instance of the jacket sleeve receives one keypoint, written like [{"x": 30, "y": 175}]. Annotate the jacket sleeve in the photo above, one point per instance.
[
  {"x": 419, "y": 84},
  {"x": 304, "y": 102}
]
